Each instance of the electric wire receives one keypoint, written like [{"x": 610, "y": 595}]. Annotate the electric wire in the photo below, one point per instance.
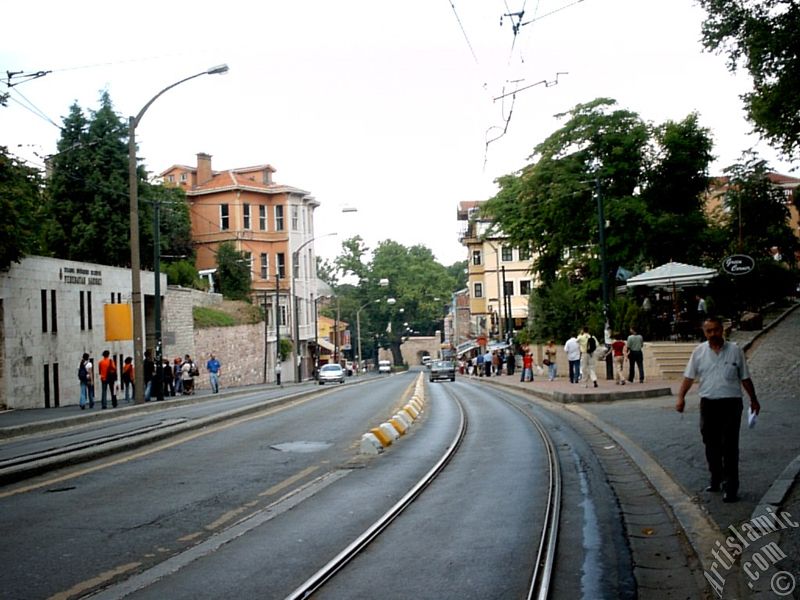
[{"x": 461, "y": 25}]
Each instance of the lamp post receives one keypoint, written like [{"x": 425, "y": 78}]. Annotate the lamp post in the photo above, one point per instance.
[
  {"x": 136, "y": 283},
  {"x": 296, "y": 300}
]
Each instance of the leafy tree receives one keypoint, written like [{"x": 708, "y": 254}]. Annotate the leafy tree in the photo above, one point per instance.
[
  {"x": 419, "y": 285},
  {"x": 233, "y": 272},
  {"x": 458, "y": 270},
  {"x": 649, "y": 180},
  {"x": 88, "y": 195},
  {"x": 20, "y": 209},
  {"x": 183, "y": 273},
  {"x": 758, "y": 216},
  {"x": 764, "y": 37},
  {"x": 676, "y": 179}
]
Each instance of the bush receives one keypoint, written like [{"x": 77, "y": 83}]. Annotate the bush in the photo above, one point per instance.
[{"x": 205, "y": 317}]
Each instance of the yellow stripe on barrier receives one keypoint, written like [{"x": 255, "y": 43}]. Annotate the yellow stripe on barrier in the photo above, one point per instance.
[{"x": 384, "y": 439}]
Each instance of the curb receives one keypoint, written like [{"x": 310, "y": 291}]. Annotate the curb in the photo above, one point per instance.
[{"x": 377, "y": 439}]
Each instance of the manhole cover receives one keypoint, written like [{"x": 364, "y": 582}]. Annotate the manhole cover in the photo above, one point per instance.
[{"x": 301, "y": 446}]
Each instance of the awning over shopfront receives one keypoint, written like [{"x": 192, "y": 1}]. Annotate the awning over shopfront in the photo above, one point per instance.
[
  {"x": 326, "y": 345},
  {"x": 673, "y": 275}
]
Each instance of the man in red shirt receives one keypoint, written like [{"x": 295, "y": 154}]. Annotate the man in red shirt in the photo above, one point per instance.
[
  {"x": 618, "y": 348},
  {"x": 108, "y": 377}
]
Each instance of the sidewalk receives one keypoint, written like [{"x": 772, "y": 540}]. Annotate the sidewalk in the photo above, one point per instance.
[{"x": 769, "y": 453}]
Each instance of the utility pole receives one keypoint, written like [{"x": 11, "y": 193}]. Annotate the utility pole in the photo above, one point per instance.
[
  {"x": 157, "y": 294},
  {"x": 277, "y": 329}
]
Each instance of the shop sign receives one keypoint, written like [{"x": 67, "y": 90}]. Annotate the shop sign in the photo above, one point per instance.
[{"x": 738, "y": 264}]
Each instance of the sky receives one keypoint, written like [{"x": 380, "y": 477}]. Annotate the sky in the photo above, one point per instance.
[{"x": 385, "y": 107}]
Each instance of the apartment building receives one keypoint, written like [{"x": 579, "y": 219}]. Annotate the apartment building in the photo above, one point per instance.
[
  {"x": 272, "y": 224},
  {"x": 499, "y": 277}
]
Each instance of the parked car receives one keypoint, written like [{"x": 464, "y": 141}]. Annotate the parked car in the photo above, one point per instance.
[
  {"x": 384, "y": 366},
  {"x": 443, "y": 369},
  {"x": 331, "y": 374}
]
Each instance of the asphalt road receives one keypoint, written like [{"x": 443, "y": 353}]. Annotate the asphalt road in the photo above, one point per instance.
[{"x": 253, "y": 506}]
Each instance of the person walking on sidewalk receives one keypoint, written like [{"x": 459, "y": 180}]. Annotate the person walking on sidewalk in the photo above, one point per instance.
[
  {"x": 573, "y": 351},
  {"x": 550, "y": 360},
  {"x": 108, "y": 379},
  {"x": 212, "y": 366},
  {"x": 588, "y": 344},
  {"x": 527, "y": 366},
  {"x": 635, "y": 344},
  {"x": 723, "y": 372},
  {"x": 84, "y": 377},
  {"x": 618, "y": 347},
  {"x": 128, "y": 379}
]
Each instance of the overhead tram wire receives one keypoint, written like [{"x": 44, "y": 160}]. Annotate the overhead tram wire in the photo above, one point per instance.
[{"x": 461, "y": 25}]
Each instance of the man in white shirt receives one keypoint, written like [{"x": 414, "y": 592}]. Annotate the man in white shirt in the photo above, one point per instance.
[
  {"x": 573, "y": 351},
  {"x": 722, "y": 369}
]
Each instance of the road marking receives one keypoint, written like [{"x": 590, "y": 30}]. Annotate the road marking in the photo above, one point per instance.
[
  {"x": 152, "y": 449},
  {"x": 175, "y": 563},
  {"x": 288, "y": 481},
  {"x": 84, "y": 586}
]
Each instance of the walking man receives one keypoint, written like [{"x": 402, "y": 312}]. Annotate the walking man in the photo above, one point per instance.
[
  {"x": 212, "y": 366},
  {"x": 108, "y": 379},
  {"x": 573, "y": 351},
  {"x": 84, "y": 376},
  {"x": 635, "y": 344},
  {"x": 723, "y": 372}
]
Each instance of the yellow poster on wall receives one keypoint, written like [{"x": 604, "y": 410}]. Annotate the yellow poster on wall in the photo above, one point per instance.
[{"x": 118, "y": 322}]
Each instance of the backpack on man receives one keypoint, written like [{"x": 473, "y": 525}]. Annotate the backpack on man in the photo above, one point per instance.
[
  {"x": 82, "y": 374},
  {"x": 591, "y": 344}
]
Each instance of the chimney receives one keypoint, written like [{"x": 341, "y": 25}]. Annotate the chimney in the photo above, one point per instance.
[{"x": 204, "y": 174}]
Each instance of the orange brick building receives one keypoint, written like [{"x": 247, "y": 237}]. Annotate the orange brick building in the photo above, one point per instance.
[{"x": 271, "y": 223}]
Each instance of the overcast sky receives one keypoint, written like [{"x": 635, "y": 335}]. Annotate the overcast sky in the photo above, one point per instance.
[{"x": 382, "y": 106}]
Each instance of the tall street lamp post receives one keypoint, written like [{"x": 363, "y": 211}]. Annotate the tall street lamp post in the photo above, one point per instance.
[
  {"x": 296, "y": 302},
  {"x": 136, "y": 283}
]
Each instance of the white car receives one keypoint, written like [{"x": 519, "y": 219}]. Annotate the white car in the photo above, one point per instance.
[
  {"x": 384, "y": 366},
  {"x": 331, "y": 373}
]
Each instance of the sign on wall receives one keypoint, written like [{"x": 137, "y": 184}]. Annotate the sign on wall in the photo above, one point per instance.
[{"x": 118, "y": 322}]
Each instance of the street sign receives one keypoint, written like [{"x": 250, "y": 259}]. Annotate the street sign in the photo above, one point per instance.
[{"x": 738, "y": 264}]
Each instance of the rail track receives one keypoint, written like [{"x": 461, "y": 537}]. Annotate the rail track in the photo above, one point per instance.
[{"x": 542, "y": 564}]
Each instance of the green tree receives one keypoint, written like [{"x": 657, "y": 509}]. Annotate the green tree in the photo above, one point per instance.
[
  {"x": 758, "y": 215},
  {"x": 458, "y": 270},
  {"x": 88, "y": 201},
  {"x": 233, "y": 272},
  {"x": 21, "y": 217},
  {"x": 419, "y": 285},
  {"x": 764, "y": 37},
  {"x": 649, "y": 180}
]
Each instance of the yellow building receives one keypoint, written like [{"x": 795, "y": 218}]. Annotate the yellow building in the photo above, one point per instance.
[{"x": 499, "y": 277}]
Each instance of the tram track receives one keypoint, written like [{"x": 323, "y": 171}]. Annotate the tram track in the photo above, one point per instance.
[{"x": 542, "y": 564}]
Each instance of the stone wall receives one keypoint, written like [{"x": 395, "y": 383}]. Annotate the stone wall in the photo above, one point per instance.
[
  {"x": 240, "y": 351},
  {"x": 177, "y": 322}
]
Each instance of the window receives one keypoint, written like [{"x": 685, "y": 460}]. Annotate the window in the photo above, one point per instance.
[
  {"x": 476, "y": 257},
  {"x": 248, "y": 258},
  {"x": 525, "y": 287},
  {"x": 295, "y": 218},
  {"x": 508, "y": 288},
  {"x": 245, "y": 216},
  {"x": 171, "y": 178},
  {"x": 224, "y": 217},
  {"x": 262, "y": 217},
  {"x": 478, "y": 290},
  {"x": 507, "y": 253},
  {"x": 44, "y": 311},
  {"x": 53, "y": 312},
  {"x": 280, "y": 263},
  {"x": 524, "y": 253},
  {"x": 282, "y": 312},
  {"x": 83, "y": 311},
  {"x": 183, "y": 177},
  {"x": 264, "y": 265},
  {"x": 279, "y": 217}
]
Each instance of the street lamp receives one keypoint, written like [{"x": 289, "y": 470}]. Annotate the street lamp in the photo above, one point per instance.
[
  {"x": 295, "y": 303},
  {"x": 136, "y": 284}
]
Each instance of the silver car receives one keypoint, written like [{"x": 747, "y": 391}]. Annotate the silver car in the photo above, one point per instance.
[
  {"x": 331, "y": 373},
  {"x": 443, "y": 369}
]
